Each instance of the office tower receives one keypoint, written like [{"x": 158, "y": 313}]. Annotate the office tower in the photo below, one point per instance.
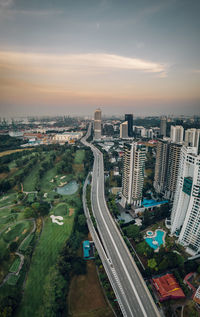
[
  {"x": 176, "y": 133},
  {"x": 174, "y": 153},
  {"x": 97, "y": 124},
  {"x": 133, "y": 173},
  {"x": 185, "y": 217},
  {"x": 163, "y": 126},
  {"x": 124, "y": 130},
  {"x": 192, "y": 137},
  {"x": 166, "y": 168},
  {"x": 129, "y": 118}
]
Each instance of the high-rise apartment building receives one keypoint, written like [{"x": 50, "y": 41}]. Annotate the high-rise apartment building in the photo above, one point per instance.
[
  {"x": 133, "y": 173},
  {"x": 97, "y": 124},
  {"x": 129, "y": 119},
  {"x": 185, "y": 217},
  {"x": 176, "y": 133},
  {"x": 160, "y": 175},
  {"x": 166, "y": 168},
  {"x": 163, "y": 126},
  {"x": 124, "y": 130},
  {"x": 192, "y": 137},
  {"x": 172, "y": 169}
]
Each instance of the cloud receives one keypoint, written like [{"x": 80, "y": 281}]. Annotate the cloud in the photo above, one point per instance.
[
  {"x": 6, "y": 3},
  {"x": 197, "y": 71},
  {"x": 80, "y": 62}
]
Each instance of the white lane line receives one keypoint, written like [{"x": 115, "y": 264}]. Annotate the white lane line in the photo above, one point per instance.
[{"x": 119, "y": 255}]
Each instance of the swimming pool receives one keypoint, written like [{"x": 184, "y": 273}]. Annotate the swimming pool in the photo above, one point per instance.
[{"x": 157, "y": 240}]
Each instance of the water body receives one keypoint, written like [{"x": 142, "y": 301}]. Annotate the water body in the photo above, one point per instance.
[
  {"x": 68, "y": 189},
  {"x": 158, "y": 238}
]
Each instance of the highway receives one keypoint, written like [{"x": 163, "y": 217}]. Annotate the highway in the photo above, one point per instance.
[{"x": 129, "y": 287}]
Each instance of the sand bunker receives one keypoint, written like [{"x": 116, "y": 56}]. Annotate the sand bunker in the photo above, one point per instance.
[
  {"x": 5, "y": 197},
  {"x": 45, "y": 195},
  {"x": 62, "y": 177},
  {"x": 8, "y": 230},
  {"x": 57, "y": 219},
  {"x": 51, "y": 181}
]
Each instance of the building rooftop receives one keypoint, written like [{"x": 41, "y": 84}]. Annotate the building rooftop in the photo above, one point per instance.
[{"x": 167, "y": 287}]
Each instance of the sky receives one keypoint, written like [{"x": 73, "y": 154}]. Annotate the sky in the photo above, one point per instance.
[{"x": 66, "y": 57}]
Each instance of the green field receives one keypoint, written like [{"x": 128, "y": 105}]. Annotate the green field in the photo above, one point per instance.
[
  {"x": 14, "y": 267},
  {"x": 60, "y": 210},
  {"x": 79, "y": 156},
  {"x": 17, "y": 231},
  {"x": 30, "y": 181},
  {"x": 7, "y": 199},
  {"x": 12, "y": 280},
  {"x": 25, "y": 244},
  {"x": 14, "y": 226},
  {"x": 45, "y": 255}
]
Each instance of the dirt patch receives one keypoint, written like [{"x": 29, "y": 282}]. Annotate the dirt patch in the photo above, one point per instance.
[
  {"x": 12, "y": 151},
  {"x": 86, "y": 297},
  {"x": 78, "y": 167},
  {"x": 25, "y": 230},
  {"x": 3, "y": 175},
  {"x": 71, "y": 211},
  {"x": 16, "y": 239}
]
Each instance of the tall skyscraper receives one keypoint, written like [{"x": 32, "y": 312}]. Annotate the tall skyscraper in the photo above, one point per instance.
[
  {"x": 97, "y": 124},
  {"x": 129, "y": 118},
  {"x": 163, "y": 126},
  {"x": 133, "y": 173},
  {"x": 124, "y": 130},
  {"x": 167, "y": 167},
  {"x": 176, "y": 133},
  {"x": 172, "y": 169},
  {"x": 160, "y": 175},
  {"x": 185, "y": 217},
  {"x": 192, "y": 137}
]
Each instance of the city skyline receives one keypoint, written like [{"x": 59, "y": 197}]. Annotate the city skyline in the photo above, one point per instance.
[{"x": 126, "y": 57}]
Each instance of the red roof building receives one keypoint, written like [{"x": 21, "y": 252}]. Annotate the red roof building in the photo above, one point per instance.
[{"x": 167, "y": 287}]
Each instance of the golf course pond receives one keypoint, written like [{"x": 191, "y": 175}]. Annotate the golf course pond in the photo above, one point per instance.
[{"x": 68, "y": 189}]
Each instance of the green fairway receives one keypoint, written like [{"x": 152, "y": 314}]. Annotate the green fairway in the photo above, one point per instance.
[
  {"x": 18, "y": 231},
  {"x": 25, "y": 244},
  {"x": 30, "y": 181},
  {"x": 51, "y": 242},
  {"x": 79, "y": 157},
  {"x": 60, "y": 210},
  {"x": 7, "y": 199},
  {"x": 14, "y": 267},
  {"x": 12, "y": 280}
]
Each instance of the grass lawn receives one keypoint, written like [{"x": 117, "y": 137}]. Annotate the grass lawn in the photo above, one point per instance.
[
  {"x": 13, "y": 151},
  {"x": 51, "y": 242},
  {"x": 30, "y": 181},
  {"x": 14, "y": 267},
  {"x": 79, "y": 156},
  {"x": 86, "y": 298},
  {"x": 17, "y": 231},
  {"x": 7, "y": 199},
  {"x": 60, "y": 210}
]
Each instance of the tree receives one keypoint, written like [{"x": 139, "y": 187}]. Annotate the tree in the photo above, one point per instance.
[
  {"x": 152, "y": 264},
  {"x": 30, "y": 213},
  {"x": 13, "y": 246},
  {"x": 132, "y": 231}
]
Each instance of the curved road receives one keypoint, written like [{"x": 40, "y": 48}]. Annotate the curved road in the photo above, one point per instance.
[{"x": 130, "y": 289}]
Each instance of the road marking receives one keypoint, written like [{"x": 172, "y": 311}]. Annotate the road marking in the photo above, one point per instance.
[{"x": 119, "y": 255}]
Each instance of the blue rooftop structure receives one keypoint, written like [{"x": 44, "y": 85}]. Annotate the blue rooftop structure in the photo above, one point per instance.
[
  {"x": 148, "y": 203},
  {"x": 87, "y": 250}
]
